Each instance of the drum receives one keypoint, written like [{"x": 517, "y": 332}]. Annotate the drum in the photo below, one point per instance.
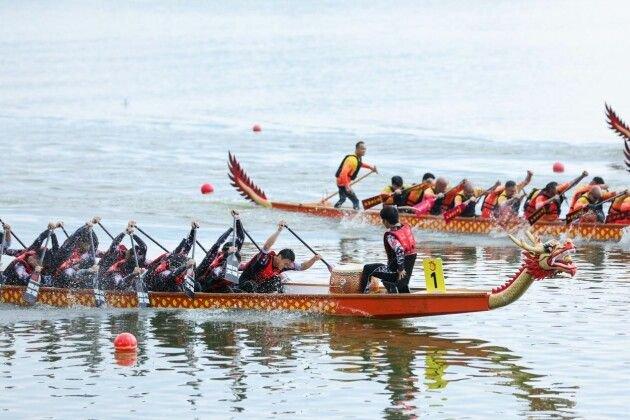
[{"x": 345, "y": 279}]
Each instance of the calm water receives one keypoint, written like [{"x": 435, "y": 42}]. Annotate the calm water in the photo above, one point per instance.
[{"x": 124, "y": 109}]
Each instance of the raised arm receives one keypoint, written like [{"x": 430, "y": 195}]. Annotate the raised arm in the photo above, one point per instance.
[
  {"x": 186, "y": 243},
  {"x": 525, "y": 182},
  {"x": 272, "y": 239}
]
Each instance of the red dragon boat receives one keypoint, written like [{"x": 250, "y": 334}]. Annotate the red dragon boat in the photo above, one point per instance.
[
  {"x": 539, "y": 261},
  {"x": 459, "y": 225}
]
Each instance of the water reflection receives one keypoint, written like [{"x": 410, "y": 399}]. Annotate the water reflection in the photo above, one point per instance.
[{"x": 405, "y": 363}]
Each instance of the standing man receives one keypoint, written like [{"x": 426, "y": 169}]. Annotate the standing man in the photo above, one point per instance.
[
  {"x": 400, "y": 247},
  {"x": 347, "y": 172}
]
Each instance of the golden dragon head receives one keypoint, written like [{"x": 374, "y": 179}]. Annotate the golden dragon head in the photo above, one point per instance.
[{"x": 542, "y": 260}]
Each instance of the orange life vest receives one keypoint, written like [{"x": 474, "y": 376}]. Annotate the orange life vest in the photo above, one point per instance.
[
  {"x": 490, "y": 202},
  {"x": 552, "y": 209}
]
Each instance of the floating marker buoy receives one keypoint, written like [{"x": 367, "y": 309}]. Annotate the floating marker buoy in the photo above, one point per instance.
[
  {"x": 125, "y": 342},
  {"x": 256, "y": 128},
  {"x": 207, "y": 189},
  {"x": 558, "y": 167}
]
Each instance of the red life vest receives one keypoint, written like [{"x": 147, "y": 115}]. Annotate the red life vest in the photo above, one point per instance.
[
  {"x": 23, "y": 259},
  {"x": 117, "y": 266},
  {"x": 74, "y": 258},
  {"x": 490, "y": 202},
  {"x": 469, "y": 209},
  {"x": 404, "y": 235},
  {"x": 552, "y": 209},
  {"x": 267, "y": 273}
]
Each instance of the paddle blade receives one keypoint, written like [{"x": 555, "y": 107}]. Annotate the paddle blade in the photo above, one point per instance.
[
  {"x": 368, "y": 203},
  {"x": 231, "y": 269},
  {"x": 32, "y": 290},
  {"x": 141, "y": 293},
  {"x": 536, "y": 215},
  {"x": 99, "y": 294},
  {"x": 454, "y": 212},
  {"x": 189, "y": 283},
  {"x": 574, "y": 215}
]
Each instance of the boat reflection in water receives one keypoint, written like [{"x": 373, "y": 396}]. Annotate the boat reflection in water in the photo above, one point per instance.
[{"x": 244, "y": 361}]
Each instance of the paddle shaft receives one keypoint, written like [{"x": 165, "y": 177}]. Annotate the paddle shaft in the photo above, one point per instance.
[
  {"x": 15, "y": 236},
  {"x": 106, "y": 231},
  {"x": 151, "y": 239},
  {"x": 252, "y": 240},
  {"x": 382, "y": 199},
  {"x": 356, "y": 181},
  {"x": 309, "y": 248},
  {"x": 201, "y": 246},
  {"x": 448, "y": 216}
]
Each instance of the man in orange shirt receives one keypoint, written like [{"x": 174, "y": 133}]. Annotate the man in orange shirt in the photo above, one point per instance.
[{"x": 348, "y": 171}]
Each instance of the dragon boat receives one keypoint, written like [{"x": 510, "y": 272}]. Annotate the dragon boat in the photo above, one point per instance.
[
  {"x": 539, "y": 261},
  {"x": 458, "y": 225}
]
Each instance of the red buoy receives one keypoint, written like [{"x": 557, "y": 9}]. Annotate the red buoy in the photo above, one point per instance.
[
  {"x": 125, "y": 342},
  {"x": 256, "y": 128},
  {"x": 207, "y": 189},
  {"x": 558, "y": 167}
]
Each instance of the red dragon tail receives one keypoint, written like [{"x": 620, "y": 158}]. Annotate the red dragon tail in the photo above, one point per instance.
[
  {"x": 618, "y": 126},
  {"x": 244, "y": 185}
]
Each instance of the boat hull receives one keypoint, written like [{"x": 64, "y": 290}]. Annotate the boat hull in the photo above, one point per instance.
[
  {"x": 351, "y": 305},
  {"x": 464, "y": 225}
]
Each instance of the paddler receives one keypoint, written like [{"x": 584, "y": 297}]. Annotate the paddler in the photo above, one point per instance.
[
  {"x": 347, "y": 172},
  {"x": 593, "y": 199},
  {"x": 429, "y": 200},
  {"x": 585, "y": 188},
  {"x": 119, "y": 263},
  {"x": 550, "y": 197},
  {"x": 396, "y": 190},
  {"x": 400, "y": 247},
  {"x": 505, "y": 199},
  {"x": 211, "y": 272},
  {"x": 415, "y": 196},
  {"x": 19, "y": 271},
  {"x": 469, "y": 197},
  {"x": 263, "y": 273},
  {"x": 619, "y": 211},
  {"x": 75, "y": 256},
  {"x": 167, "y": 272}
]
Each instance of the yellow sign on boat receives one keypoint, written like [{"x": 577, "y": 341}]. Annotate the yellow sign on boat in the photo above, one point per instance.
[{"x": 433, "y": 274}]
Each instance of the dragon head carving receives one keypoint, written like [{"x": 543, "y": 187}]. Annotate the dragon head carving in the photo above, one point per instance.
[{"x": 542, "y": 260}]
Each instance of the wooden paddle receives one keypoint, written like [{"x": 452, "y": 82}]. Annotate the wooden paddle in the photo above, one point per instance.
[
  {"x": 457, "y": 210},
  {"x": 574, "y": 215},
  {"x": 2, "y": 278},
  {"x": 252, "y": 240},
  {"x": 309, "y": 248},
  {"x": 32, "y": 289},
  {"x": 189, "y": 279},
  {"x": 368, "y": 203},
  {"x": 356, "y": 181},
  {"x": 231, "y": 265},
  {"x": 140, "y": 286},
  {"x": 540, "y": 212},
  {"x": 449, "y": 196},
  {"x": 151, "y": 239},
  {"x": 14, "y": 235},
  {"x": 99, "y": 295}
]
